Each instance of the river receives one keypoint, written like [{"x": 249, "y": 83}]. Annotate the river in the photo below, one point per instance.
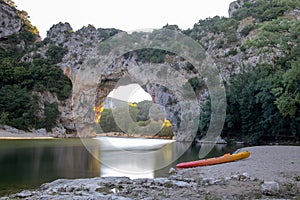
[{"x": 26, "y": 164}]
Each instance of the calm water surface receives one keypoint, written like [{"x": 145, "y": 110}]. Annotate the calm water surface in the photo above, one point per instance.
[{"x": 26, "y": 164}]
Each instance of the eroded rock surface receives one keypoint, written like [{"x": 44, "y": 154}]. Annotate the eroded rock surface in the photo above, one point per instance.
[{"x": 10, "y": 21}]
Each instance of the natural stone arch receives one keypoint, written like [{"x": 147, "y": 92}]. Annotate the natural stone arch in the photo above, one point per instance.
[
  {"x": 97, "y": 65},
  {"x": 158, "y": 93}
]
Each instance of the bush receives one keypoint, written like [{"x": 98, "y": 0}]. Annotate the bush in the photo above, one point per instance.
[
  {"x": 246, "y": 30},
  {"x": 220, "y": 44},
  {"x": 196, "y": 83},
  {"x": 56, "y": 53},
  {"x": 232, "y": 52},
  {"x": 166, "y": 132},
  {"x": 231, "y": 37},
  {"x": 190, "y": 67},
  {"x": 217, "y": 25},
  {"x": 51, "y": 114},
  {"x": 151, "y": 55}
]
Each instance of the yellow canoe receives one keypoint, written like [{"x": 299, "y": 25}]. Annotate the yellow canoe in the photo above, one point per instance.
[{"x": 213, "y": 161}]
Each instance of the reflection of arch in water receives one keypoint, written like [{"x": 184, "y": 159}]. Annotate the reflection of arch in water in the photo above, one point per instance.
[{"x": 137, "y": 158}]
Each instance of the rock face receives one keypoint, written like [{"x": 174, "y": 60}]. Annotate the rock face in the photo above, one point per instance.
[
  {"x": 226, "y": 48},
  {"x": 81, "y": 45},
  {"x": 236, "y": 5},
  {"x": 228, "y": 56},
  {"x": 59, "y": 33},
  {"x": 10, "y": 21}
]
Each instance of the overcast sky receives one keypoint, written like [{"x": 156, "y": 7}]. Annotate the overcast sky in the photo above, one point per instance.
[{"x": 127, "y": 15}]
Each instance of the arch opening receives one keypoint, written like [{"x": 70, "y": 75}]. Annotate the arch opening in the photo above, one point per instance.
[{"x": 144, "y": 113}]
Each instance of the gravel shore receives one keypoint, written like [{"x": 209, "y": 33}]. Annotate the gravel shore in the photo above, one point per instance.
[
  {"x": 271, "y": 172},
  {"x": 278, "y": 163},
  {"x": 12, "y": 133}
]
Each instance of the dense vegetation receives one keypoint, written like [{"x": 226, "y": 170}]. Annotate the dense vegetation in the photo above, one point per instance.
[
  {"x": 140, "y": 116},
  {"x": 215, "y": 25},
  {"x": 21, "y": 82},
  {"x": 19, "y": 105},
  {"x": 264, "y": 103},
  {"x": 265, "y": 10}
]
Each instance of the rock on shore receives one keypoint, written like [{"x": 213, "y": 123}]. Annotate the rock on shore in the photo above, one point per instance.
[{"x": 122, "y": 188}]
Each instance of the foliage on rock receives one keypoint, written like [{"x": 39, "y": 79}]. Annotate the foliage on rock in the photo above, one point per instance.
[{"x": 263, "y": 102}]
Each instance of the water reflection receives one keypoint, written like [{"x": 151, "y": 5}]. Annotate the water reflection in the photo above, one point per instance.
[
  {"x": 136, "y": 158},
  {"x": 23, "y": 160},
  {"x": 29, "y": 163}
]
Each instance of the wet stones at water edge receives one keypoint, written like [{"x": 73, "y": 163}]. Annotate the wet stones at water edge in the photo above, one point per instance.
[{"x": 173, "y": 187}]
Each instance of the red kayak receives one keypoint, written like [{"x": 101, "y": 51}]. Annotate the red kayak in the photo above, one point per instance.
[{"x": 213, "y": 161}]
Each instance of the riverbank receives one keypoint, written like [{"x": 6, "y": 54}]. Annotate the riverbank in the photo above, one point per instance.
[
  {"x": 271, "y": 172},
  {"x": 126, "y": 135},
  {"x": 8, "y": 133}
]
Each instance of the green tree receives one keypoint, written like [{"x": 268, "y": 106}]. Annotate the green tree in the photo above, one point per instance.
[
  {"x": 288, "y": 100},
  {"x": 51, "y": 114},
  {"x": 3, "y": 118},
  {"x": 15, "y": 101},
  {"x": 56, "y": 53},
  {"x": 107, "y": 122}
]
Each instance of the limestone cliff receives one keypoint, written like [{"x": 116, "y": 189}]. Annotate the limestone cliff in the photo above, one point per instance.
[
  {"x": 225, "y": 40},
  {"x": 226, "y": 43}
]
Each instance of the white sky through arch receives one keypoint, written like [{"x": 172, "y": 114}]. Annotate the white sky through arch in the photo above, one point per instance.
[{"x": 133, "y": 93}]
